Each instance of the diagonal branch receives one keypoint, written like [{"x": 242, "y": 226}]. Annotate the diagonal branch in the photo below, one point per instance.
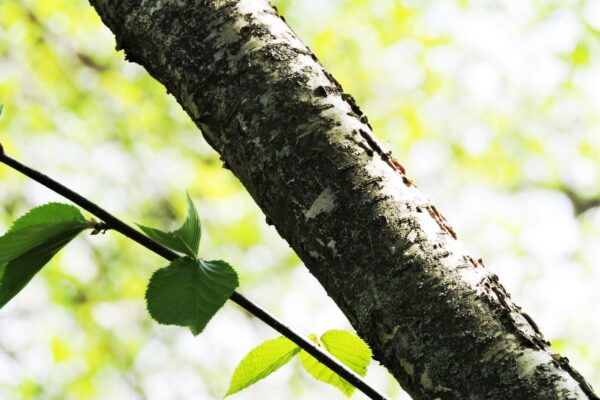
[
  {"x": 581, "y": 204},
  {"x": 112, "y": 222}
]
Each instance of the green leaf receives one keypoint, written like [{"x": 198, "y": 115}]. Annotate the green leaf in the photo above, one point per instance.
[
  {"x": 184, "y": 240},
  {"x": 51, "y": 212},
  {"x": 168, "y": 239},
  {"x": 32, "y": 241},
  {"x": 261, "y": 362},
  {"x": 191, "y": 230},
  {"x": 346, "y": 347},
  {"x": 38, "y": 226},
  {"x": 16, "y": 273},
  {"x": 189, "y": 292},
  {"x": 17, "y": 242},
  {"x": 1, "y": 108}
]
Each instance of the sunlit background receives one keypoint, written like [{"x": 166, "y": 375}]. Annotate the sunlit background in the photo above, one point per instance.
[{"x": 492, "y": 106}]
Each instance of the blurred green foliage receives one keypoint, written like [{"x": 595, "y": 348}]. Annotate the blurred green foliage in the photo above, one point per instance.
[{"x": 491, "y": 105}]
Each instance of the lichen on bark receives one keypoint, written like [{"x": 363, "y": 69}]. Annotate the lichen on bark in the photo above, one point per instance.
[{"x": 433, "y": 315}]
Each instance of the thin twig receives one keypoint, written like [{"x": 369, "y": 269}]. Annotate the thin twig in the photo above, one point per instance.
[{"x": 116, "y": 224}]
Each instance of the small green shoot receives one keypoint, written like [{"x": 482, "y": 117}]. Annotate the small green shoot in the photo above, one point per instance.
[
  {"x": 189, "y": 291},
  {"x": 347, "y": 348},
  {"x": 268, "y": 357},
  {"x": 184, "y": 240}
]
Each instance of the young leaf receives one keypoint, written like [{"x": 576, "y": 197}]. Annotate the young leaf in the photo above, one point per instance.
[
  {"x": 37, "y": 226},
  {"x": 16, "y": 273},
  {"x": 17, "y": 242},
  {"x": 189, "y": 292},
  {"x": 184, "y": 240},
  {"x": 32, "y": 241},
  {"x": 51, "y": 212},
  {"x": 191, "y": 230},
  {"x": 262, "y": 361},
  {"x": 168, "y": 239},
  {"x": 2, "y": 269},
  {"x": 347, "y": 348}
]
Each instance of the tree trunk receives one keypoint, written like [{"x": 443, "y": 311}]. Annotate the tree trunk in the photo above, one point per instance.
[{"x": 433, "y": 315}]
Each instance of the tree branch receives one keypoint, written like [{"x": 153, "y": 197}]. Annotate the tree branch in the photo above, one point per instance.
[
  {"x": 112, "y": 222},
  {"x": 580, "y": 203},
  {"x": 440, "y": 322}
]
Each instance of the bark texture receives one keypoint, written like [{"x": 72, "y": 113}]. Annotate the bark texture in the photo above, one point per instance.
[{"x": 443, "y": 325}]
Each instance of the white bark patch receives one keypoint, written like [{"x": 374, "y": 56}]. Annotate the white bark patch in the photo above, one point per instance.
[
  {"x": 324, "y": 203},
  {"x": 341, "y": 107},
  {"x": 252, "y": 44},
  {"x": 457, "y": 250},
  {"x": 251, "y": 6},
  {"x": 260, "y": 10},
  {"x": 412, "y": 236},
  {"x": 473, "y": 277},
  {"x": 529, "y": 360},
  {"x": 503, "y": 344},
  {"x": 523, "y": 323},
  {"x": 392, "y": 184},
  {"x": 316, "y": 77}
]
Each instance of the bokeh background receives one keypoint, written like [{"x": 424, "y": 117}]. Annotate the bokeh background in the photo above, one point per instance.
[{"x": 492, "y": 106}]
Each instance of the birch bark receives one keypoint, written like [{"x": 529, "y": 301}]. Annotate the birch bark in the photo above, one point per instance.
[{"x": 434, "y": 316}]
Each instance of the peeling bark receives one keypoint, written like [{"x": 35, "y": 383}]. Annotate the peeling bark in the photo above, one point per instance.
[{"x": 433, "y": 315}]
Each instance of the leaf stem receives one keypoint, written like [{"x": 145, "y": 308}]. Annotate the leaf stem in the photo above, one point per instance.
[{"x": 116, "y": 224}]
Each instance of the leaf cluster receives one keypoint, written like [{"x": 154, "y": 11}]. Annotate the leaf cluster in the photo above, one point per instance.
[
  {"x": 271, "y": 355},
  {"x": 188, "y": 292}
]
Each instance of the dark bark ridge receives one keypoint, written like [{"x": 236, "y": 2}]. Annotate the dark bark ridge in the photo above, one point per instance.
[{"x": 433, "y": 315}]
